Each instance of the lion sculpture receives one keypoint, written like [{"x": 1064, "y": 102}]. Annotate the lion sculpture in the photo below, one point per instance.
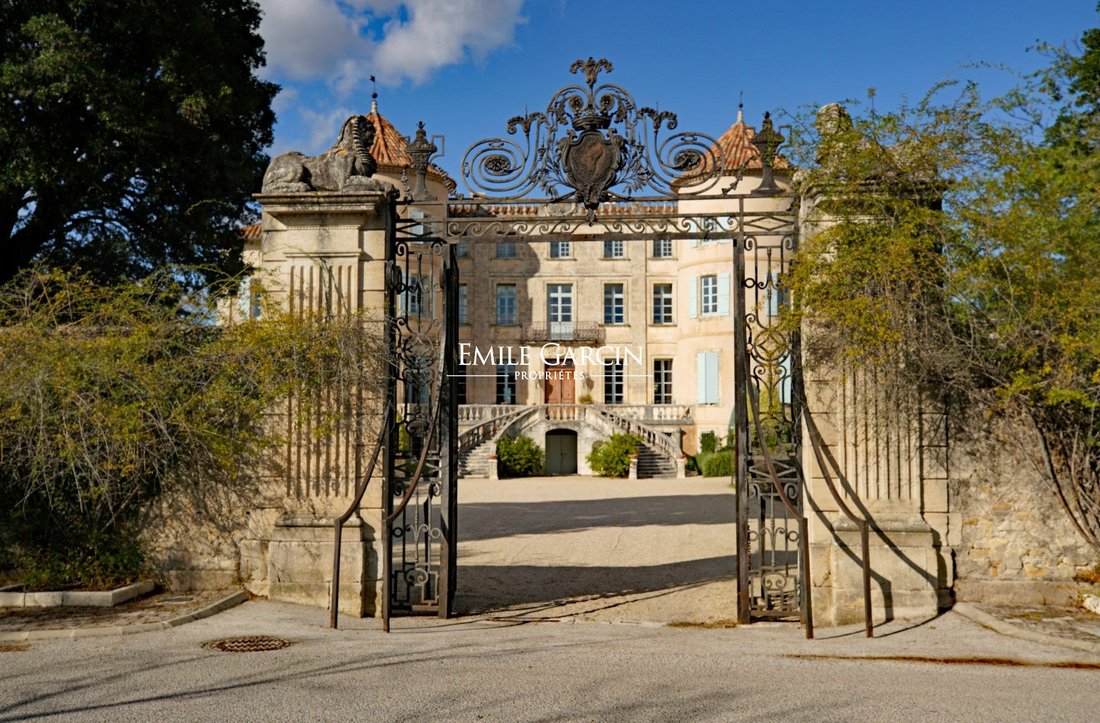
[{"x": 347, "y": 166}]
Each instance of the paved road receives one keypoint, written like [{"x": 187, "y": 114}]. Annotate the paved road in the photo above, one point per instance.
[
  {"x": 472, "y": 670},
  {"x": 568, "y": 577}
]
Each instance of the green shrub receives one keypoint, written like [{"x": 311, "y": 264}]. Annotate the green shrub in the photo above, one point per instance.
[
  {"x": 692, "y": 465},
  {"x": 115, "y": 396},
  {"x": 717, "y": 464},
  {"x": 611, "y": 457},
  {"x": 708, "y": 442},
  {"x": 94, "y": 561},
  {"x": 520, "y": 457}
]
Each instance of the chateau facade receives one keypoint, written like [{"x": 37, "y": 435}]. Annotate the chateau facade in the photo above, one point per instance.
[{"x": 640, "y": 327}]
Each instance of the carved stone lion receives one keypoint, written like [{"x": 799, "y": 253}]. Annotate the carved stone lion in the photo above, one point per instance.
[{"x": 347, "y": 166}]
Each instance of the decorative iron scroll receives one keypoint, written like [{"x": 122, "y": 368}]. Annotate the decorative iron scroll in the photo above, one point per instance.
[
  {"x": 422, "y": 282},
  {"x": 771, "y": 525},
  {"x": 637, "y": 225},
  {"x": 593, "y": 144}
]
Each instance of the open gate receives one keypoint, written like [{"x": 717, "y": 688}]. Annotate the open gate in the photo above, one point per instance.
[
  {"x": 772, "y": 552},
  {"x": 421, "y": 426},
  {"x": 593, "y": 147}
]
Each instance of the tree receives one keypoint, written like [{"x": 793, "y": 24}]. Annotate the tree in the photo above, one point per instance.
[
  {"x": 963, "y": 256},
  {"x": 116, "y": 395},
  {"x": 131, "y": 133}
]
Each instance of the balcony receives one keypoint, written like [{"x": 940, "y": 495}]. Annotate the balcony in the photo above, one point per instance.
[
  {"x": 585, "y": 331},
  {"x": 662, "y": 415}
]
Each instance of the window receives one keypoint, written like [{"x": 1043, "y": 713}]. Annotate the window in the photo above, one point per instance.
[
  {"x": 776, "y": 295},
  {"x": 417, "y": 229},
  {"x": 462, "y": 304},
  {"x": 506, "y": 383},
  {"x": 559, "y": 310},
  {"x": 662, "y": 303},
  {"x": 255, "y": 299},
  {"x": 461, "y": 386},
  {"x": 418, "y": 380},
  {"x": 506, "y": 250},
  {"x": 613, "y": 382},
  {"x": 613, "y": 304},
  {"x": 462, "y": 250},
  {"x": 559, "y": 249},
  {"x": 706, "y": 377},
  {"x": 708, "y": 295},
  {"x": 506, "y": 304},
  {"x": 613, "y": 248},
  {"x": 662, "y": 381},
  {"x": 416, "y": 299},
  {"x": 662, "y": 248}
]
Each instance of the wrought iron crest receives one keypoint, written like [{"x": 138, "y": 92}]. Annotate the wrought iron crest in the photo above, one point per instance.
[{"x": 592, "y": 144}]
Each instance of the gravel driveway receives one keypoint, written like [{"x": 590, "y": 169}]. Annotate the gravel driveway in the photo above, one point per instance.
[{"x": 653, "y": 550}]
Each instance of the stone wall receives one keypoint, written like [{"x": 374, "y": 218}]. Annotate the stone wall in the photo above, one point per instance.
[{"x": 1013, "y": 542}]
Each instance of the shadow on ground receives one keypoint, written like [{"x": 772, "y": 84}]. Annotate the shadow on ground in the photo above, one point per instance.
[
  {"x": 485, "y": 588},
  {"x": 488, "y": 520}
]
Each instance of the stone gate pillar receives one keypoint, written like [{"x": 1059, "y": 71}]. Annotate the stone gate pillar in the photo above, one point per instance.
[
  {"x": 884, "y": 453},
  {"x": 324, "y": 233},
  {"x": 321, "y": 251}
]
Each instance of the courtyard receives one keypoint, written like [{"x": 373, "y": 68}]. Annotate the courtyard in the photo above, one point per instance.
[{"x": 593, "y": 548}]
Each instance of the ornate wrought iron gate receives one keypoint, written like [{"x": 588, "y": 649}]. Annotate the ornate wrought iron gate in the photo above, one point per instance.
[
  {"x": 421, "y": 461},
  {"x": 594, "y": 146},
  {"x": 772, "y": 553}
]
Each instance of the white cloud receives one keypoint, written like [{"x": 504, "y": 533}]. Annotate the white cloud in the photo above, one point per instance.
[
  {"x": 307, "y": 39},
  {"x": 322, "y": 127},
  {"x": 441, "y": 32},
  {"x": 327, "y": 39}
]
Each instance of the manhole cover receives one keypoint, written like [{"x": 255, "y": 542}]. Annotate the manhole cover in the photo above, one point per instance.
[{"x": 247, "y": 644}]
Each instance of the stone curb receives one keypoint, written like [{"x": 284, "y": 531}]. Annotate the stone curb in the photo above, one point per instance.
[
  {"x": 75, "y": 598},
  {"x": 69, "y": 633},
  {"x": 1003, "y": 627}
]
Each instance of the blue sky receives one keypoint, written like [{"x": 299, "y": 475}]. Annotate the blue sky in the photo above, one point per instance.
[{"x": 465, "y": 67}]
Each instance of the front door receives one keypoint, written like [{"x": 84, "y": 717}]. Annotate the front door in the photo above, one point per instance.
[
  {"x": 561, "y": 451},
  {"x": 559, "y": 383}
]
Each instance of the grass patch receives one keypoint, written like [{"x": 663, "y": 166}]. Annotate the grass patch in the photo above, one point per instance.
[{"x": 708, "y": 625}]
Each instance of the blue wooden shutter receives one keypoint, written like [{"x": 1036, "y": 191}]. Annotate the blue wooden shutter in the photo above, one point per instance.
[
  {"x": 701, "y": 377},
  {"x": 712, "y": 377}
]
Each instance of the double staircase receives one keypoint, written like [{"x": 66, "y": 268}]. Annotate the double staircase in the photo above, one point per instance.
[
  {"x": 652, "y": 464},
  {"x": 657, "y": 452},
  {"x": 479, "y": 441}
]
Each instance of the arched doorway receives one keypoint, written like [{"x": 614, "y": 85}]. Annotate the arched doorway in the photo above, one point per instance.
[{"x": 561, "y": 451}]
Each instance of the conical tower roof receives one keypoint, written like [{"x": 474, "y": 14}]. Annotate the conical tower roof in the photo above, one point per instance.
[
  {"x": 389, "y": 151},
  {"x": 738, "y": 152}
]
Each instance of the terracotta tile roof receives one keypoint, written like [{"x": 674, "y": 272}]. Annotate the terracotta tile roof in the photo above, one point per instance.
[
  {"x": 253, "y": 232},
  {"x": 738, "y": 151},
  {"x": 389, "y": 150}
]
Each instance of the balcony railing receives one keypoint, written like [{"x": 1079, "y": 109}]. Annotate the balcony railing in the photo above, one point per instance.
[
  {"x": 587, "y": 331},
  {"x": 660, "y": 414}
]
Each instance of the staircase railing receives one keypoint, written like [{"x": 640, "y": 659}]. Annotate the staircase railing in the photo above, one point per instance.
[
  {"x": 653, "y": 438},
  {"x": 490, "y": 429}
]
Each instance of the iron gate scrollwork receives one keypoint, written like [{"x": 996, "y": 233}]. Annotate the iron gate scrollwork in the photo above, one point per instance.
[
  {"x": 591, "y": 146},
  {"x": 772, "y": 555},
  {"x": 421, "y": 461}
]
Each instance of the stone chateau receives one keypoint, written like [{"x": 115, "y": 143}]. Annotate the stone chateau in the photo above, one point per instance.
[{"x": 568, "y": 341}]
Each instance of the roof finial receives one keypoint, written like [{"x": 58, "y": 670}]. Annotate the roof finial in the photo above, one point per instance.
[
  {"x": 741, "y": 106},
  {"x": 373, "y": 96}
]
